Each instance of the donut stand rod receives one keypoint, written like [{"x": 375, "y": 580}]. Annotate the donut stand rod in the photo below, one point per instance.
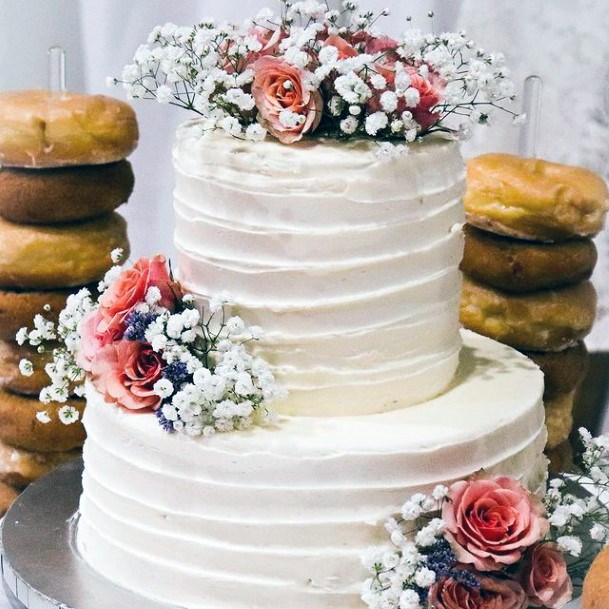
[
  {"x": 531, "y": 107},
  {"x": 57, "y": 70}
]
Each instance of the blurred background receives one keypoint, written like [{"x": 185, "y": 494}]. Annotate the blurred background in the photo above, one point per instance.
[{"x": 564, "y": 41}]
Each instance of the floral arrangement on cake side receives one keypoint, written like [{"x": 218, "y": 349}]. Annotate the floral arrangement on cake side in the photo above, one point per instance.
[
  {"x": 489, "y": 543},
  {"x": 315, "y": 71},
  {"x": 144, "y": 346}
]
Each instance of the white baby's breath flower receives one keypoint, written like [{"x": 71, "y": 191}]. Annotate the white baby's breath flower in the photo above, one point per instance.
[
  {"x": 412, "y": 97},
  {"x": 376, "y": 122},
  {"x": 163, "y": 388},
  {"x": 21, "y": 336},
  {"x": 425, "y": 578},
  {"x": 411, "y": 510},
  {"x": 116, "y": 255},
  {"x": 164, "y": 94},
  {"x": 378, "y": 81},
  {"x": 349, "y": 125},
  {"x": 296, "y": 57},
  {"x": 231, "y": 126},
  {"x": 218, "y": 301},
  {"x": 235, "y": 325},
  {"x": 291, "y": 119},
  {"x": 570, "y": 544},
  {"x": 26, "y": 367},
  {"x": 389, "y": 101},
  {"x": 256, "y": 332},
  {"x": 409, "y": 599},
  {"x": 598, "y": 532},
  {"x": 68, "y": 415},
  {"x": 43, "y": 416},
  {"x": 255, "y": 132},
  {"x": 153, "y": 296},
  {"x": 159, "y": 342}
]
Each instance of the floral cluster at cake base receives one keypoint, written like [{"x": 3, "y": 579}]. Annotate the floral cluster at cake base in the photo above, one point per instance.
[
  {"x": 489, "y": 543},
  {"x": 145, "y": 346}
]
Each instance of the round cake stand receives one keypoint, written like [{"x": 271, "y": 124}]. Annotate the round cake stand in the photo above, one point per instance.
[{"x": 40, "y": 566}]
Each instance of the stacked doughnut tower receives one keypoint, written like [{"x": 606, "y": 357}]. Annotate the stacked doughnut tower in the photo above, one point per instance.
[
  {"x": 62, "y": 175},
  {"x": 527, "y": 263}
]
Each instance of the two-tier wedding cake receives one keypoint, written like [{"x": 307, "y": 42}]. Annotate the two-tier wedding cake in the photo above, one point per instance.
[
  {"x": 350, "y": 265},
  {"x": 252, "y": 429}
]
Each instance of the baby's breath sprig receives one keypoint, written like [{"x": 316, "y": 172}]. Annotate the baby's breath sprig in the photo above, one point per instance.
[
  {"x": 331, "y": 74},
  {"x": 197, "y": 374}
]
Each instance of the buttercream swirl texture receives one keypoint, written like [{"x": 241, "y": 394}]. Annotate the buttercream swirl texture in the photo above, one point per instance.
[
  {"x": 279, "y": 516},
  {"x": 348, "y": 263}
]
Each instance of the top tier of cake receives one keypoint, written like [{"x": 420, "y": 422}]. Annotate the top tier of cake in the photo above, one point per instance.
[{"x": 349, "y": 263}]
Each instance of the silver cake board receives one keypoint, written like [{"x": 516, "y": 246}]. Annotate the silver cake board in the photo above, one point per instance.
[{"x": 40, "y": 566}]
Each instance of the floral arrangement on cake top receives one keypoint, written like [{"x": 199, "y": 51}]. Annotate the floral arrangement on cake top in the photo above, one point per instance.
[
  {"x": 489, "y": 543},
  {"x": 145, "y": 347},
  {"x": 321, "y": 72}
]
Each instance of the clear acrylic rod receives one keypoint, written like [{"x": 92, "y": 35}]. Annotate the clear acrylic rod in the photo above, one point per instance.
[
  {"x": 57, "y": 70},
  {"x": 531, "y": 106}
]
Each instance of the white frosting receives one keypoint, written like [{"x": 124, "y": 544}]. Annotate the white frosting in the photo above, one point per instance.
[
  {"x": 348, "y": 263},
  {"x": 278, "y": 517}
]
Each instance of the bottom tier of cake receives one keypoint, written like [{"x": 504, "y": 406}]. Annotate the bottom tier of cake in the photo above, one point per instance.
[{"x": 278, "y": 517}]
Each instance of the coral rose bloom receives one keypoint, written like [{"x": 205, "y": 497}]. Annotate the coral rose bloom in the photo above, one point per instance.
[
  {"x": 125, "y": 373},
  {"x": 92, "y": 340},
  {"x": 130, "y": 289},
  {"x": 490, "y": 523},
  {"x": 544, "y": 577},
  {"x": 493, "y": 594},
  {"x": 345, "y": 50},
  {"x": 431, "y": 90},
  {"x": 279, "y": 86}
]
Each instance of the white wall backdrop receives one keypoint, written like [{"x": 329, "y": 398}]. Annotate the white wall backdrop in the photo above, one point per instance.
[{"x": 564, "y": 41}]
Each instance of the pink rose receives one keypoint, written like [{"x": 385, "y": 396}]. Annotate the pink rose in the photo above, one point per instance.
[
  {"x": 92, "y": 340},
  {"x": 431, "y": 91},
  {"x": 130, "y": 289},
  {"x": 279, "y": 86},
  {"x": 380, "y": 45},
  {"x": 345, "y": 50},
  {"x": 269, "y": 39},
  {"x": 125, "y": 372},
  {"x": 490, "y": 523},
  {"x": 493, "y": 594},
  {"x": 544, "y": 577}
]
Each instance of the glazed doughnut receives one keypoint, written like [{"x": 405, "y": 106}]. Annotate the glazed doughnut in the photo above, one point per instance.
[
  {"x": 19, "y": 426},
  {"x": 61, "y": 256},
  {"x": 11, "y": 378},
  {"x": 17, "y": 309},
  {"x": 55, "y": 196},
  {"x": 561, "y": 458},
  {"x": 550, "y": 320},
  {"x": 43, "y": 129},
  {"x": 7, "y": 496},
  {"x": 563, "y": 371},
  {"x": 559, "y": 418},
  {"x": 525, "y": 266},
  {"x": 21, "y": 467},
  {"x": 595, "y": 593},
  {"x": 534, "y": 199}
]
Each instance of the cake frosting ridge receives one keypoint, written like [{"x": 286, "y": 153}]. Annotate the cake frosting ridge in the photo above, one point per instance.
[
  {"x": 279, "y": 516},
  {"x": 349, "y": 263}
]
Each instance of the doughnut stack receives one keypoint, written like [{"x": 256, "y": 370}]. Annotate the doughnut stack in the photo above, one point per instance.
[
  {"x": 528, "y": 259},
  {"x": 62, "y": 174}
]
